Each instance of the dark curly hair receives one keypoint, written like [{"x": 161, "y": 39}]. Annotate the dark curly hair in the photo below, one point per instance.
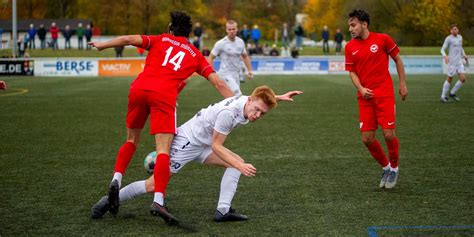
[
  {"x": 180, "y": 24},
  {"x": 361, "y": 15}
]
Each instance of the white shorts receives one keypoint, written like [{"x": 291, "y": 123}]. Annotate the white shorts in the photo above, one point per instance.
[
  {"x": 182, "y": 152},
  {"x": 232, "y": 81},
  {"x": 455, "y": 69}
]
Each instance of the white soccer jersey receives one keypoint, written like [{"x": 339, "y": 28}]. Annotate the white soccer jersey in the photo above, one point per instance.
[
  {"x": 455, "y": 50},
  {"x": 229, "y": 52},
  {"x": 222, "y": 117}
]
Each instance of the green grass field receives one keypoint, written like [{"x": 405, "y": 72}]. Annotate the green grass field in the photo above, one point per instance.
[{"x": 315, "y": 177}]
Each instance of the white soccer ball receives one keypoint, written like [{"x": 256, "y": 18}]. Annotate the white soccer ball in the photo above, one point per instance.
[{"x": 149, "y": 162}]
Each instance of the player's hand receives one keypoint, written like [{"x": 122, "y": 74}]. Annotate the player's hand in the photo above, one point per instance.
[
  {"x": 96, "y": 45},
  {"x": 247, "y": 169},
  {"x": 250, "y": 75},
  {"x": 288, "y": 96},
  {"x": 403, "y": 91},
  {"x": 446, "y": 59},
  {"x": 3, "y": 85},
  {"x": 366, "y": 93}
]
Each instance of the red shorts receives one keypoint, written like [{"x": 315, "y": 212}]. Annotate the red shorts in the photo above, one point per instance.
[
  {"x": 162, "y": 111},
  {"x": 376, "y": 111}
]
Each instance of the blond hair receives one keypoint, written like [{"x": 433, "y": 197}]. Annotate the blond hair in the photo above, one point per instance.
[{"x": 266, "y": 94}]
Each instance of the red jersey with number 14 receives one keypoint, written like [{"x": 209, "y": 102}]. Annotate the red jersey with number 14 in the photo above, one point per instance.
[
  {"x": 369, "y": 60},
  {"x": 170, "y": 60}
]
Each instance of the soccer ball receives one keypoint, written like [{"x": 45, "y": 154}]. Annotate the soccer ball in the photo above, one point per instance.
[{"x": 149, "y": 162}]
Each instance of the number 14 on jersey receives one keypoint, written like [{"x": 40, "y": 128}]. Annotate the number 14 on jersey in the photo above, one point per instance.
[{"x": 175, "y": 60}]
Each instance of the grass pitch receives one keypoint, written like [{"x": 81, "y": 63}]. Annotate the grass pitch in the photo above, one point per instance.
[{"x": 59, "y": 138}]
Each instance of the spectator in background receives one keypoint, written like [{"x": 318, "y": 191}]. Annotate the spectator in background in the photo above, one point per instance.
[
  {"x": 205, "y": 51},
  {"x": 80, "y": 36},
  {"x": 325, "y": 37},
  {"x": 198, "y": 33},
  {"x": 285, "y": 35},
  {"x": 88, "y": 34},
  {"x": 67, "y": 33},
  {"x": 274, "y": 51},
  {"x": 119, "y": 51},
  {"x": 3, "y": 85},
  {"x": 196, "y": 42},
  {"x": 32, "y": 35},
  {"x": 338, "y": 38},
  {"x": 299, "y": 32},
  {"x": 54, "y": 30},
  {"x": 42, "y": 36},
  {"x": 256, "y": 35},
  {"x": 22, "y": 45},
  {"x": 245, "y": 33},
  {"x": 266, "y": 49},
  {"x": 285, "y": 52}
]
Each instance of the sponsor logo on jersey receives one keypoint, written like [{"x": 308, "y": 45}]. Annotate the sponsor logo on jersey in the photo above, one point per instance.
[{"x": 374, "y": 48}]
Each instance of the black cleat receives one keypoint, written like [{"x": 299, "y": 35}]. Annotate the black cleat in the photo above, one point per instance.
[
  {"x": 158, "y": 210},
  {"x": 454, "y": 97},
  {"x": 100, "y": 208},
  {"x": 229, "y": 216},
  {"x": 113, "y": 197}
]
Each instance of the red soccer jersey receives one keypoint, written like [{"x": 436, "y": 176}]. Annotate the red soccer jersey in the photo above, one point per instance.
[
  {"x": 170, "y": 61},
  {"x": 369, "y": 59}
]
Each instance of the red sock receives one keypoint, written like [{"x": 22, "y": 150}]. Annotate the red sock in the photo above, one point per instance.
[
  {"x": 376, "y": 151},
  {"x": 124, "y": 156},
  {"x": 162, "y": 172},
  {"x": 393, "y": 152}
]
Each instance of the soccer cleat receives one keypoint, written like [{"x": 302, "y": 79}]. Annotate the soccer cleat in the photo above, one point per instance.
[
  {"x": 444, "y": 100},
  {"x": 229, "y": 216},
  {"x": 158, "y": 210},
  {"x": 100, "y": 208},
  {"x": 392, "y": 180},
  {"x": 113, "y": 197},
  {"x": 454, "y": 97},
  {"x": 384, "y": 178}
]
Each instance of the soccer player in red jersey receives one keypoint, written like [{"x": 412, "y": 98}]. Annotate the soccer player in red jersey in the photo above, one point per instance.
[
  {"x": 170, "y": 61},
  {"x": 3, "y": 85},
  {"x": 367, "y": 62}
]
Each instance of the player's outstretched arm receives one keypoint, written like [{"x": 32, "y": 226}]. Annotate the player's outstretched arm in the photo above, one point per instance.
[
  {"x": 225, "y": 154},
  {"x": 3, "y": 85},
  {"x": 135, "y": 40},
  {"x": 220, "y": 85},
  {"x": 288, "y": 96}
]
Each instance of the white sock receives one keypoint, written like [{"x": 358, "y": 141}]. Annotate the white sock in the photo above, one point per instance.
[
  {"x": 394, "y": 169},
  {"x": 118, "y": 177},
  {"x": 444, "y": 94},
  {"x": 229, "y": 183},
  {"x": 159, "y": 198},
  {"x": 456, "y": 87},
  {"x": 386, "y": 167},
  {"x": 132, "y": 190}
]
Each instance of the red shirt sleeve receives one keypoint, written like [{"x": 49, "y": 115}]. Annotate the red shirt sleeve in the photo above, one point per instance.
[
  {"x": 390, "y": 47},
  {"x": 348, "y": 58},
  {"x": 148, "y": 41},
  {"x": 204, "y": 68}
]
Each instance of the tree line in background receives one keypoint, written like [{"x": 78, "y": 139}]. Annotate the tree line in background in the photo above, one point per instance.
[{"x": 410, "y": 22}]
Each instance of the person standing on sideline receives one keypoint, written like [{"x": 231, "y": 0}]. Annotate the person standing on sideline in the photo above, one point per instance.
[
  {"x": 285, "y": 35},
  {"x": 256, "y": 35},
  {"x": 54, "y": 30},
  {"x": 245, "y": 33},
  {"x": 80, "y": 36},
  {"x": 454, "y": 60},
  {"x": 32, "y": 36},
  {"x": 67, "y": 33},
  {"x": 88, "y": 35},
  {"x": 367, "y": 56},
  {"x": 231, "y": 50},
  {"x": 325, "y": 37},
  {"x": 299, "y": 32},
  {"x": 170, "y": 61},
  {"x": 42, "y": 36},
  {"x": 198, "y": 33},
  {"x": 338, "y": 38}
]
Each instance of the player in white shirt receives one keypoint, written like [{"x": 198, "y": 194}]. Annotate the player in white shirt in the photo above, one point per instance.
[
  {"x": 202, "y": 139},
  {"x": 231, "y": 50},
  {"x": 454, "y": 60}
]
